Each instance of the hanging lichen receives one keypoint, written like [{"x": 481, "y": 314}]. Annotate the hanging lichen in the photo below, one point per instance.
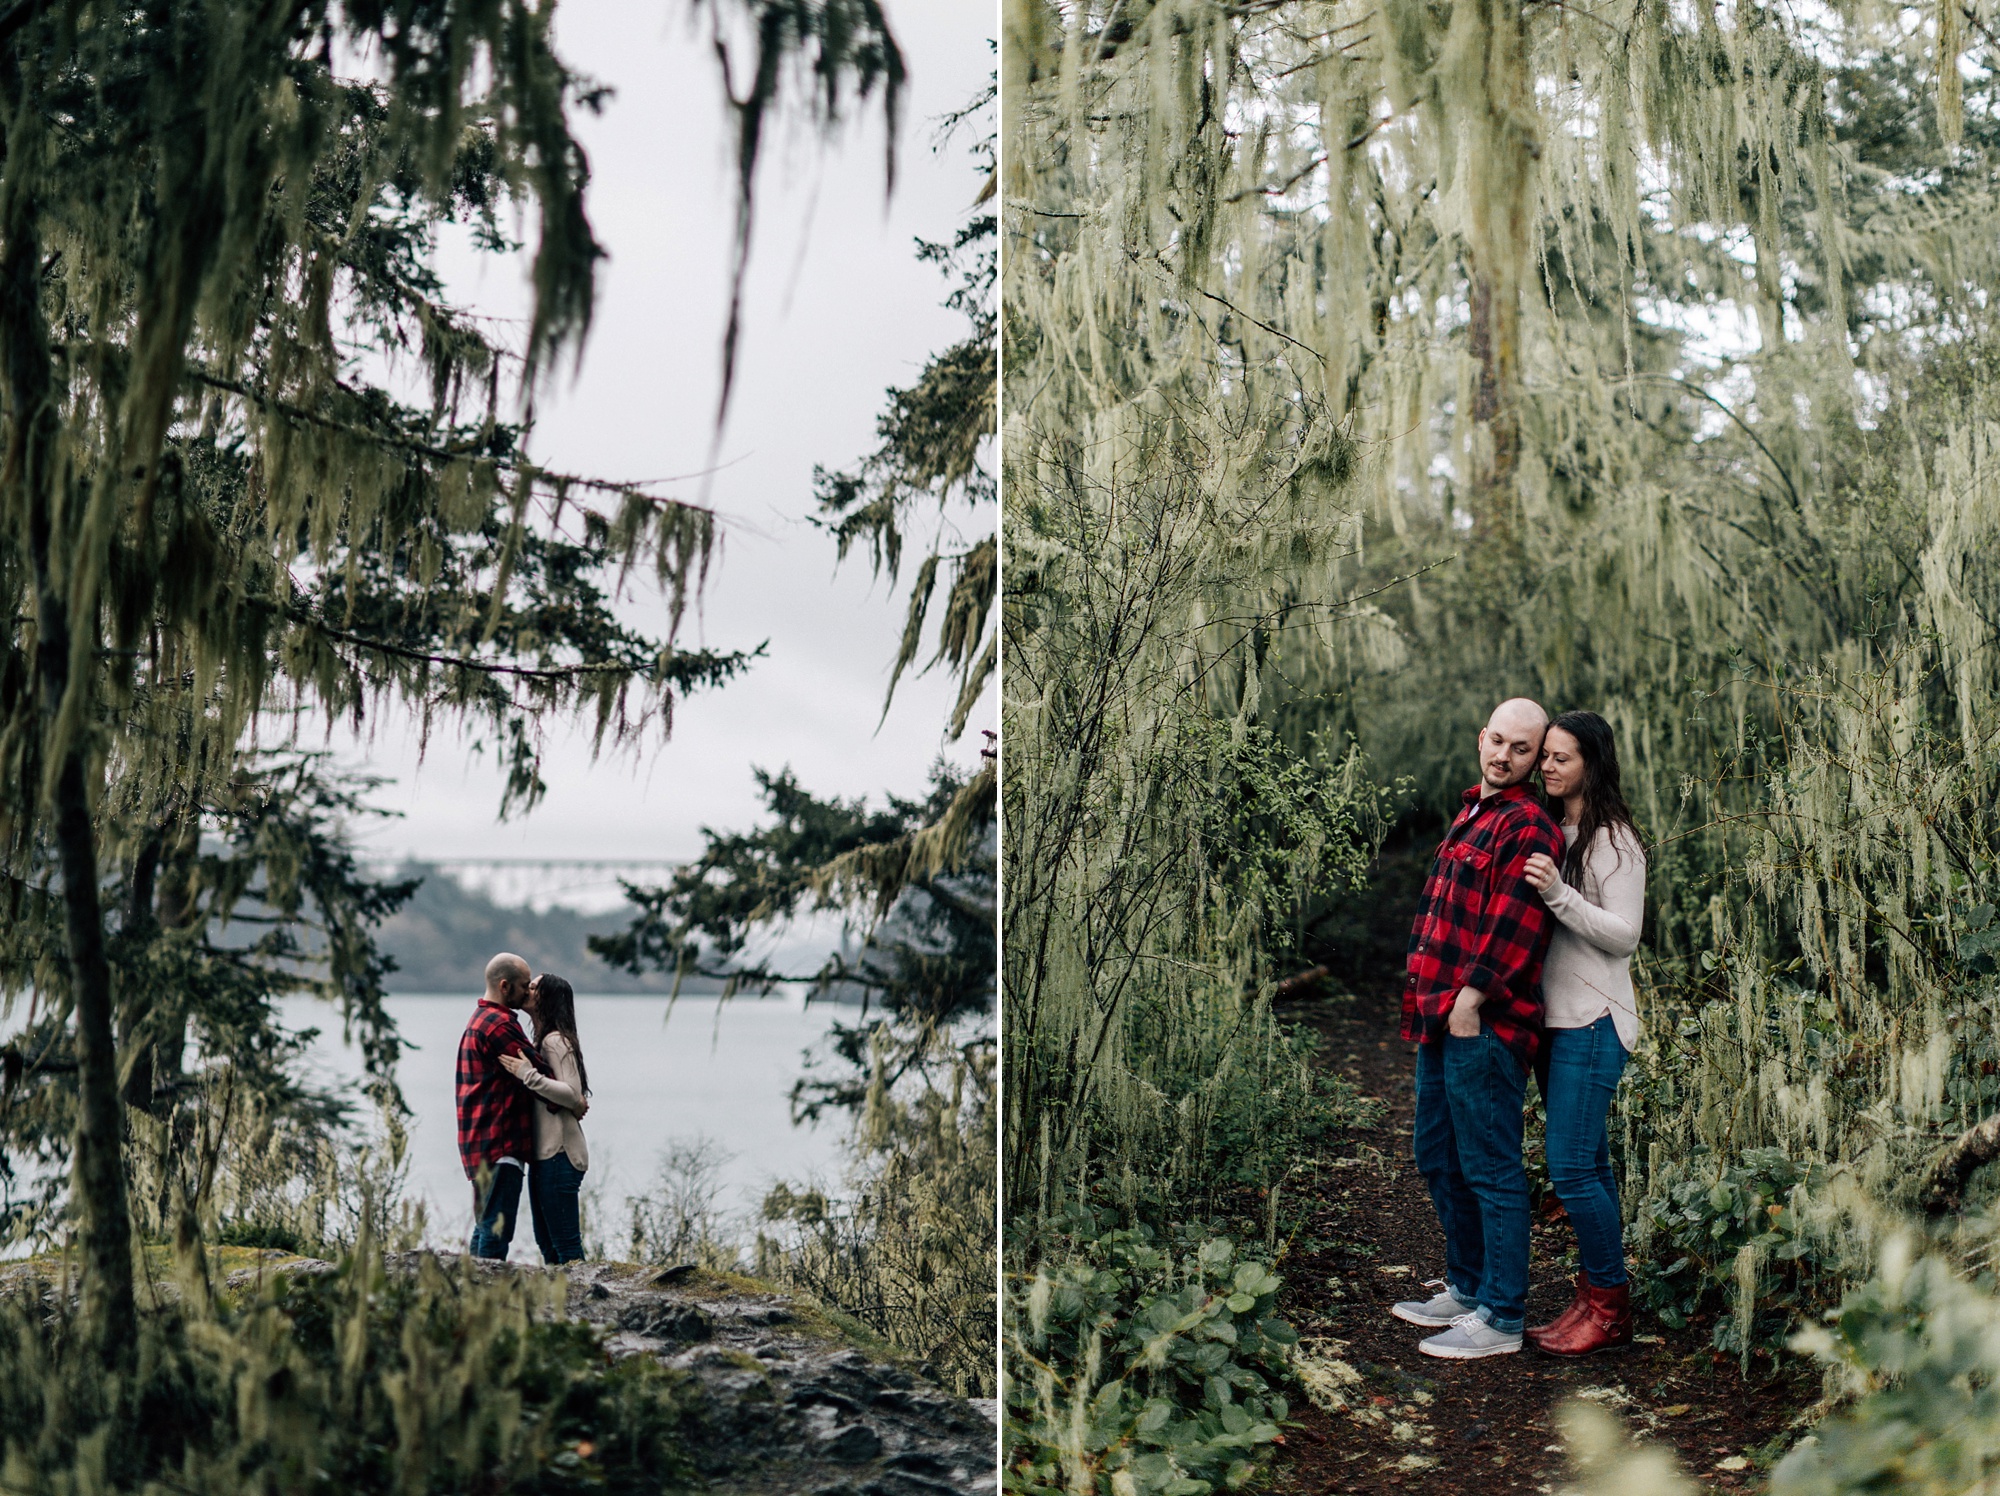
[{"x": 1630, "y": 356}]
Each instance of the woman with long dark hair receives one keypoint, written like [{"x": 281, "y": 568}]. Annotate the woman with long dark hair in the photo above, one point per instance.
[
  {"x": 1598, "y": 897},
  {"x": 556, "y": 1175}
]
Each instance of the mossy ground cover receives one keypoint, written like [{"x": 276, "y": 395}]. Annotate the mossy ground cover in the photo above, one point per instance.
[
  {"x": 58, "y": 1267},
  {"x": 423, "y": 1376}
]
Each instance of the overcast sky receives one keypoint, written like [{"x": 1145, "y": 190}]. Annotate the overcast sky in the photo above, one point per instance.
[{"x": 838, "y": 309}]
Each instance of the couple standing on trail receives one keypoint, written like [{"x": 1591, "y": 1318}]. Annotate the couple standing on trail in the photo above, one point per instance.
[
  {"x": 1519, "y": 961},
  {"x": 520, "y": 1106}
]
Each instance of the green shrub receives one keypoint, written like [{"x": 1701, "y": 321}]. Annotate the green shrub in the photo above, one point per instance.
[
  {"x": 1916, "y": 1353},
  {"x": 261, "y": 1235},
  {"x": 1137, "y": 1370},
  {"x": 909, "y": 1252},
  {"x": 1734, "y": 1242},
  {"x": 1918, "y": 1347}
]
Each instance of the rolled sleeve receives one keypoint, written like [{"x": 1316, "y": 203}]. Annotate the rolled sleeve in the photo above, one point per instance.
[{"x": 1482, "y": 979}]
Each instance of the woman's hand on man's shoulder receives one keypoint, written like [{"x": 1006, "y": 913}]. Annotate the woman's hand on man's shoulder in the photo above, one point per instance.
[{"x": 1541, "y": 871}]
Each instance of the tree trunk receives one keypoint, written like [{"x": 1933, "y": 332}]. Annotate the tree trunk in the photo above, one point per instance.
[
  {"x": 1502, "y": 149},
  {"x": 98, "y": 1180}
]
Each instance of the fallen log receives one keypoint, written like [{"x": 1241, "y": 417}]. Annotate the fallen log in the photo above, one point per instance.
[
  {"x": 1293, "y": 986},
  {"x": 1944, "y": 1184}
]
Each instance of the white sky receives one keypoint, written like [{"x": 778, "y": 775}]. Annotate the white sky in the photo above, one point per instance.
[{"x": 837, "y": 309}]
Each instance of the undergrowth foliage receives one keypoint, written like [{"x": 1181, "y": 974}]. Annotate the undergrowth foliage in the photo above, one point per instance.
[
  {"x": 907, "y": 1247},
  {"x": 1155, "y": 831},
  {"x": 1912, "y": 1357},
  {"x": 437, "y": 1379},
  {"x": 1142, "y": 1367}
]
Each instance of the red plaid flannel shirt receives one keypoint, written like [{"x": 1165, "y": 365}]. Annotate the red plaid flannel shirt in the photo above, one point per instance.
[
  {"x": 1481, "y": 923},
  {"x": 496, "y": 1116}
]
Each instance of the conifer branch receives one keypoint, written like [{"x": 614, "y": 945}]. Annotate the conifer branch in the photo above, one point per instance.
[
  {"x": 420, "y": 448},
  {"x": 711, "y": 663}
]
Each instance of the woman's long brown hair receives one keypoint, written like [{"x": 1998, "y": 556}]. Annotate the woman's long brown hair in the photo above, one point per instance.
[
  {"x": 1603, "y": 801},
  {"x": 555, "y": 1012}
]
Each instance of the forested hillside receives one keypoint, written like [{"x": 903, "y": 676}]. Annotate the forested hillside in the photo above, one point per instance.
[{"x": 442, "y": 938}]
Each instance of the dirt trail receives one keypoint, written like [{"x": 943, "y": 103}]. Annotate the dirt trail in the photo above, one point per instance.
[{"x": 1414, "y": 1423}]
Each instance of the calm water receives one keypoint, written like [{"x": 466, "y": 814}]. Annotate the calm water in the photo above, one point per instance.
[{"x": 716, "y": 1070}]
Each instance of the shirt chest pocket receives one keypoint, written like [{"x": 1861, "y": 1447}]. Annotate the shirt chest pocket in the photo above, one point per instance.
[{"x": 1468, "y": 867}]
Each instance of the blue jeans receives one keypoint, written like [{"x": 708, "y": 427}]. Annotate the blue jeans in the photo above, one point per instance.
[
  {"x": 552, "y": 1189},
  {"x": 1584, "y": 1065},
  {"x": 494, "y": 1211},
  {"x": 1468, "y": 1146}
]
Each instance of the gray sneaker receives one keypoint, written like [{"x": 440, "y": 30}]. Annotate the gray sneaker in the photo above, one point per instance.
[
  {"x": 1469, "y": 1338},
  {"x": 1434, "y": 1313}
]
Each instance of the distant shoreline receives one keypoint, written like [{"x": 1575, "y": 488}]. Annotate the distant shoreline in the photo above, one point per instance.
[{"x": 440, "y": 941}]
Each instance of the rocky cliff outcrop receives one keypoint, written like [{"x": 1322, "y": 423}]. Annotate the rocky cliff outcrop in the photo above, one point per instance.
[{"x": 786, "y": 1398}]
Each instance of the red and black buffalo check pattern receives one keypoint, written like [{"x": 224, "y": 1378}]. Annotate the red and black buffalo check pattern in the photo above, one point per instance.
[
  {"x": 496, "y": 1116},
  {"x": 1482, "y": 924}
]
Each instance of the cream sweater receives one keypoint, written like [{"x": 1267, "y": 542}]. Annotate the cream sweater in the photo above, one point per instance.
[
  {"x": 559, "y": 1131},
  {"x": 1588, "y": 971}
]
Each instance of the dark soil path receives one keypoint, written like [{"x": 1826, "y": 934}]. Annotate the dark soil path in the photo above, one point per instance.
[{"x": 1369, "y": 1237}]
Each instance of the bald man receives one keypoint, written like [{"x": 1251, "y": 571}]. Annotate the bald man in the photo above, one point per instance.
[
  {"x": 495, "y": 1111},
  {"x": 1472, "y": 1002}
]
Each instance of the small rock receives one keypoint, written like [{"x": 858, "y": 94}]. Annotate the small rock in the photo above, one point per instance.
[
  {"x": 618, "y": 1347},
  {"x": 674, "y": 1274},
  {"x": 854, "y": 1444},
  {"x": 917, "y": 1461},
  {"x": 812, "y": 1395},
  {"x": 666, "y": 1321}
]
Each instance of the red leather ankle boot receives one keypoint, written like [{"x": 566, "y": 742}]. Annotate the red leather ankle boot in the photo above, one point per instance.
[
  {"x": 1561, "y": 1321},
  {"x": 1604, "y": 1321}
]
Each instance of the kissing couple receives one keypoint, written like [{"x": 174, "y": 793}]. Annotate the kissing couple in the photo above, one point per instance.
[{"x": 520, "y": 1111}]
